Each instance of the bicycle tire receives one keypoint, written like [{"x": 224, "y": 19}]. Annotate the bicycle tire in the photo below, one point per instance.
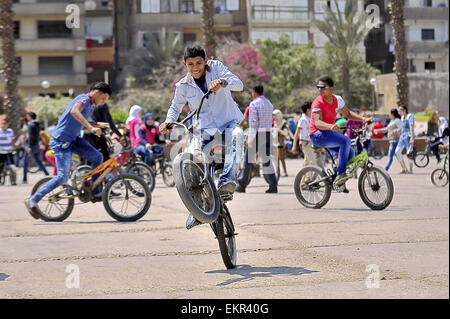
[
  {"x": 225, "y": 233},
  {"x": 377, "y": 152},
  {"x": 315, "y": 171},
  {"x": 144, "y": 171},
  {"x": 33, "y": 167},
  {"x": 422, "y": 159},
  {"x": 44, "y": 215},
  {"x": 385, "y": 202},
  {"x": 124, "y": 179},
  {"x": 168, "y": 175},
  {"x": 439, "y": 175},
  {"x": 191, "y": 193}
]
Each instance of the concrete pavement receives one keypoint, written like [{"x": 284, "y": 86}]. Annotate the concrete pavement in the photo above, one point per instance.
[{"x": 344, "y": 250}]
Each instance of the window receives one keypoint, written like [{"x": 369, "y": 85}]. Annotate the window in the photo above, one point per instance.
[
  {"x": 189, "y": 37},
  {"x": 55, "y": 65},
  {"x": 427, "y": 3},
  {"x": 430, "y": 66},
  {"x": 18, "y": 65},
  {"x": 53, "y": 29},
  {"x": 223, "y": 6},
  {"x": 427, "y": 34},
  {"x": 187, "y": 6},
  {"x": 160, "y": 6},
  {"x": 16, "y": 29}
]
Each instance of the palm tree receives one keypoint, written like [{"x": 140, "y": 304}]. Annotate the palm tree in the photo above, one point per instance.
[
  {"x": 344, "y": 32},
  {"x": 401, "y": 56},
  {"x": 9, "y": 72},
  {"x": 209, "y": 36}
]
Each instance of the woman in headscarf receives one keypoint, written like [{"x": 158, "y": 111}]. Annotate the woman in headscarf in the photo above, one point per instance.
[
  {"x": 134, "y": 122},
  {"x": 147, "y": 138},
  {"x": 281, "y": 128}
]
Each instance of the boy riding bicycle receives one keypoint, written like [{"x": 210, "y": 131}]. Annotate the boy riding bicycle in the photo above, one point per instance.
[
  {"x": 325, "y": 133},
  {"x": 220, "y": 114},
  {"x": 65, "y": 139}
]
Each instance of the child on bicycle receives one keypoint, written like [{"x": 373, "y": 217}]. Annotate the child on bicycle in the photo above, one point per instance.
[
  {"x": 65, "y": 139},
  {"x": 147, "y": 138},
  {"x": 220, "y": 113}
]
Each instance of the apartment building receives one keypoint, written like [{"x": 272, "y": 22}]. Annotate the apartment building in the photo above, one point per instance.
[
  {"x": 269, "y": 19},
  {"x": 426, "y": 33},
  {"x": 99, "y": 40},
  {"x": 47, "y": 49},
  {"x": 134, "y": 18}
]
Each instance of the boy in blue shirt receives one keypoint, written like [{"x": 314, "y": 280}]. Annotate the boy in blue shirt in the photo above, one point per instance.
[{"x": 65, "y": 140}]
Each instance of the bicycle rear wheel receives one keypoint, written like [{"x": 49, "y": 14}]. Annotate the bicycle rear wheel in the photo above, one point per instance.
[
  {"x": 225, "y": 233},
  {"x": 310, "y": 188},
  {"x": 56, "y": 206},
  {"x": 439, "y": 177},
  {"x": 127, "y": 197},
  {"x": 375, "y": 187},
  {"x": 422, "y": 159},
  {"x": 168, "y": 175},
  {"x": 144, "y": 171},
  {"x": 200, "y": 198}
]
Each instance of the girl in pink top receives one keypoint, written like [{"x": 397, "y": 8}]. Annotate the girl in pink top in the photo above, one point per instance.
[{"x": 134, "y": 122}]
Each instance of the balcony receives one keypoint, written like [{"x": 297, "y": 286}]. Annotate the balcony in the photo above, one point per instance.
[
  {"x": 187, "y": 19},
  {"x": 418, "y": 47},
  {"x": 426, "y": 13},
  {"x": 74, "y": 79},
  {"x": 274, "y": 13},
  {"x": 44, "y": 8},
  {"x": 71, "y": 44}
]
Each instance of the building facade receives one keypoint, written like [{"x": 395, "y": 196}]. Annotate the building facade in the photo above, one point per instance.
[{"x": 50, "y": 46}]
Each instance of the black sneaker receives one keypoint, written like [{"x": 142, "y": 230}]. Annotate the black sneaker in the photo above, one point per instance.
[
  {"x": 228, "y": 187},
  {"x": 191, "y": 222},
  {"x": 239, "y": 189},
  {"x": 271, "y": 191}
]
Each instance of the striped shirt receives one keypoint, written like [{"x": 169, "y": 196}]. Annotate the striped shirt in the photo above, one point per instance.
[
  {"x": 260, "y": 118},
  {"x": 6, "y": 141}
]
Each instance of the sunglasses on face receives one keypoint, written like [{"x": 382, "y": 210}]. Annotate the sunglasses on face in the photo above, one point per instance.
[{"x": 322, "y": 87}]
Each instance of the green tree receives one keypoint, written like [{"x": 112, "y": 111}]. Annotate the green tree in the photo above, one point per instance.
[
  {"x": 290, "y": 68},
  {"x": 360, "y": 75},
  {"x": 345, "y": 31}
]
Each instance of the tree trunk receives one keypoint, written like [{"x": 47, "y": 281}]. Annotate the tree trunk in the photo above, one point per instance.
[
  {"x": 401, "y": 56},
  {"x": 11, "y": 100},
  {"x": 208, "y": 28},
  {"x": 346, "y": 78}
]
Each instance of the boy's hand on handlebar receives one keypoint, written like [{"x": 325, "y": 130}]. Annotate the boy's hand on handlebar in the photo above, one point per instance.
[
  {"x": 96, "y": 131},
  {"x": 336, "y": 128},
  {"x": 215, "y": 85},
  {"x": 163, "y": 129},
  {"x": 368, "y": 119}
]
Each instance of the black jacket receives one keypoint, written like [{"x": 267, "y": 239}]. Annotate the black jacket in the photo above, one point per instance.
[{"x": 34, "y": 129}]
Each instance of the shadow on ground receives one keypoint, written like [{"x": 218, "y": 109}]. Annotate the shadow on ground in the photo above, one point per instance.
[{"x": 248, "y": 273}]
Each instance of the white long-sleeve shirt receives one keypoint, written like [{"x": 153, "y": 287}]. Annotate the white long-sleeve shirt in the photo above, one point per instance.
[{"x": 218, "y": 110}]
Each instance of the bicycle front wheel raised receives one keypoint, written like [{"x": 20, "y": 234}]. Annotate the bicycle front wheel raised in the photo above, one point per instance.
[
  {"x": 200, "y": 197},
  {"x": 311, "y": 187},
  {"x": 127, "y": 197},
  {"x": 439, "y": 177},
  {"x": 375, "y": 188},
  {"x": 57, "y": 205}
]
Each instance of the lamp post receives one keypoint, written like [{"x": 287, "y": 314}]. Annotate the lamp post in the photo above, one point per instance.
[
  {"x": 373, "y": 82},
  {"x": 45, "y": 85}
]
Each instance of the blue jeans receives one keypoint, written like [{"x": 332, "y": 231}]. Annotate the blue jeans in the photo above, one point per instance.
[
  {"x": 391, "y": 153},
  {"x": 63, "y": 158},
  {"x": 232, "y": 138},
  {"x": 336, "y": 142},
  {"x": 36, "y": 153},
  {"x": 148, "y": 154}
]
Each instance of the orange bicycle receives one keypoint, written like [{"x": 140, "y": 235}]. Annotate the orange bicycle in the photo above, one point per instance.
[{"x": 126, "y": 197}]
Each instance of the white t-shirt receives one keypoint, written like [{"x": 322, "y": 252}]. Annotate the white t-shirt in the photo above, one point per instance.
[{"x": 303, "y": 126}]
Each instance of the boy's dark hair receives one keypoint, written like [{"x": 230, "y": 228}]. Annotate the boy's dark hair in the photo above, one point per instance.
[
  {"x": 307, "y": 105},
  {"x": 32, "y": 115},
  {"x": 395, "y": 113},
  {"x": 327, "y": 80},
  {"x": 194, "y": 51},
  {"x": 102, "y": 87},
  {"x": 259, "y": 89}
]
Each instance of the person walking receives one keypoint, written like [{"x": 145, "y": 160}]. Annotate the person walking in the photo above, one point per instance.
[
  {"x": 312, "y": 155},
  {"x": 259, "y": 141},
  {"x": 393, "y": 131},
  {"x": 6, "y": 150},
  {"x": 34, "y": 149},
  {"x": 281, "y": 130},
  {"x": 406, "y": 138}
]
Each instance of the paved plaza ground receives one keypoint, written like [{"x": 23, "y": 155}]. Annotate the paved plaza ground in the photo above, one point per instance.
[{"x": 284, "y": 250}]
